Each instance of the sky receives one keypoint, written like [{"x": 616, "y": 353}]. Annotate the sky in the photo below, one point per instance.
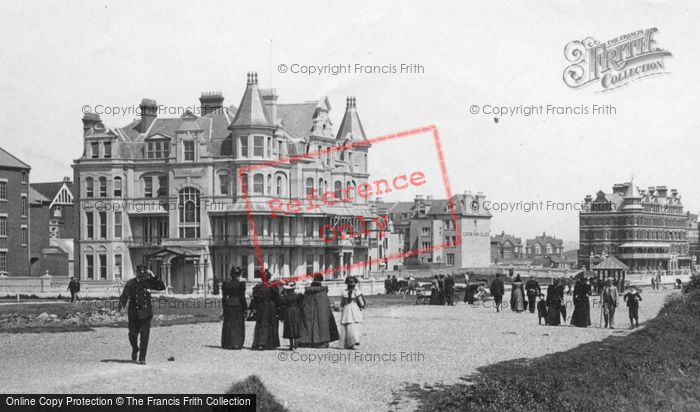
[{"x": 59, "y": 57}]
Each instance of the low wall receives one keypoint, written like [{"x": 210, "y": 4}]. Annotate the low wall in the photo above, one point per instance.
[{"x": 57, "y": 286}]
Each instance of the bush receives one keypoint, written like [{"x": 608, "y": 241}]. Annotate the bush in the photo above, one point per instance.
[
  {"x": 655, "y": 368},
  {"x": 693, "y": 284},
  {"x": 265, "y": 401}
]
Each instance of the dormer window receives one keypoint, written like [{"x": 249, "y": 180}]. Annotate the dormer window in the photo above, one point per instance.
[
  {"x": 94, "y": 150},
  {"x": 158, "y": 149},
  {"x": 188, "y": 150}
]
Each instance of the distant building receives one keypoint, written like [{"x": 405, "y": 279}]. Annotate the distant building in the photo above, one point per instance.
[
  {"x": 506, "y": 247},
  {"x": 544, "y": 246},
  {"x": 645, "y": 230},
  {"x": 693, "y": 238},
  {"x": 389, "y": 243},
  {"x": 14, "y": 216},
  {"x": 53, "y": 228},
  {"x": 433, "y": 233}
]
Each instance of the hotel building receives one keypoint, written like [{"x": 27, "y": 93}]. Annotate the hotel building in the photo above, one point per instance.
[
  {"x": 645, "y": 229},
  {"x": 166, "y": 191}
]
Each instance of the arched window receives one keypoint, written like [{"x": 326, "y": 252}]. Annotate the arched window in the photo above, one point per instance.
[
  {"x": 309, "y": 186},
  {"x": 188, "y": 208},
  {"x": 268, "y": 188},
  {"x": 279, "y": 186},
  {"x": 89, "y": 187},
  {"x": 258, "y": 184},
  {"x": 338, "y": 189},
  {"x": 321, "y": 186},
  {"x": 103, "y": 187},
  {"x": 117, "y": 186},
  {"x": 243, "y": 180}
]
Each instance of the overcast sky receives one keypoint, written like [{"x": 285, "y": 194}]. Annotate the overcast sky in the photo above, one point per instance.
[{"x": 58, "y": 56}]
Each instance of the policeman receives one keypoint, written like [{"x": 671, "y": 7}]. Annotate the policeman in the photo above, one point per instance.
[{"x": 140, "y": 311}]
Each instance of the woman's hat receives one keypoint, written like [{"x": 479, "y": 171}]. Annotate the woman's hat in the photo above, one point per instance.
[
  {"x": 351, "y": 279},
  {"x": 290, "y": 285}
]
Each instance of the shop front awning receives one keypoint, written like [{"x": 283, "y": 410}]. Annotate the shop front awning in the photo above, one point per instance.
[{"x": 175, "y": 251}]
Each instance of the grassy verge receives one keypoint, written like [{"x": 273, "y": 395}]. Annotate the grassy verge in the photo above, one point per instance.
[
  {"x": 265, "y": 401},
  {"x": 168, "y": 312},
  {"x": 654, "y": 368}
]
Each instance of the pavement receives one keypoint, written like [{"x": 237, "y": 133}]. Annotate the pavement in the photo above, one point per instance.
[{"x": 400, "y": 345}]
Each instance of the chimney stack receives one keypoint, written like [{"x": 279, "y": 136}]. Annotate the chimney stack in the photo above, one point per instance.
[
  {"x": 149, "y": 112},
  {"x": 90, "y": 120},
  {"x": 210, "y": 102}
]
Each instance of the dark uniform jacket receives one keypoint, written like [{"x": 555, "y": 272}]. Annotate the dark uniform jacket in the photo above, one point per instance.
[
  {"x": 74, "y": 286},
  {"x": 533, "y": 288},
  {"x": 136, "y": 291},
  {"x": 497, "y": 288}
]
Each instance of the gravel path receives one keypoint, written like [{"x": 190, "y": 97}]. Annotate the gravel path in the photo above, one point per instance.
[{"x": 439, "y": 344}]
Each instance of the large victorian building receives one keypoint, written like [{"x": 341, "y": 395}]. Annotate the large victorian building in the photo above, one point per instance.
[
  {"x": 166, "y": 191},
  {"x": 646, "y": 230},
  {"x": 14, "y": 216}
]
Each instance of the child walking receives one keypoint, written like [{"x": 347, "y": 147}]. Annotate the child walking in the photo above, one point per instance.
[{"x": 632, "y": 297}]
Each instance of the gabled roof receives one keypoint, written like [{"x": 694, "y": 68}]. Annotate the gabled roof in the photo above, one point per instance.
[
  {"x": 611, "y": 263},
  {"x": 9, "y": 160},
  {"x": 297, "y": 118}
]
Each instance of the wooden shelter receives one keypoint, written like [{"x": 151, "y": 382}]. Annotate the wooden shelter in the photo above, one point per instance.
[{"x": 611, "y": 268}]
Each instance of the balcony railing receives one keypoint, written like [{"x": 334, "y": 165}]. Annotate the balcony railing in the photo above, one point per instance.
[
  {"x": 145, "y": 241},
  {"x": 299, "y": 240}
]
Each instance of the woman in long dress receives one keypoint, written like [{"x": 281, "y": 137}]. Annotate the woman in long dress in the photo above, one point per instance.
[
  {"x": 265, "y": 302},
  {"x": 351, "y": 304},
  {"x": 235, "y": 306},
  {"x": 435, "y": 291},
  {"x": 553, "y": 304},
  {"x": 517, "y": 297},
  {"x": 319, "y": 324},
  {"x": 292, "y": 316},
  {"x": 582, "y": 307}
]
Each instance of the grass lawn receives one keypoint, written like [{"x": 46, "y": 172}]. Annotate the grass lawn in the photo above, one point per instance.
[
  {"x": 175, "y": 311},
  {"x": 654, "y": 368}
]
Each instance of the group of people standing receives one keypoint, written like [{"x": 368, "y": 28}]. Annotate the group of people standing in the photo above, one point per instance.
[
  {"x": 307, "y": 318},
  {"x": 442, "y": 290},
  {"x": 552, "y": 308}
]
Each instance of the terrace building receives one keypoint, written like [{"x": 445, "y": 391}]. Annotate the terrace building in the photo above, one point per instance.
[
  {"x": 544, "y": 246},
  {"x": 433, "y": 232},
  {"x": 166, "y": 191},
  {"x": 14, "y": 216},
  {"x": 645, "y": 229},
  {"x": 505, "y": 247}
]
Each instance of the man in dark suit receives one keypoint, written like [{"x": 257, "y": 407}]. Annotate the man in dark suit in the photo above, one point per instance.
[
  {"x": 497, "y": 291},
  {"x": 450, "y": 290},
  {"x": 140, "y": 311},
  {"x": 533, "y": 290},
  {"x": 74, "y": 288}
]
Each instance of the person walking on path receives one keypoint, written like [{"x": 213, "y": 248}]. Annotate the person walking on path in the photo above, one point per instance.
[
  {"x": 582, "y": 307},
  {"x": 235, "y": 307},
  {"x": 632, "y": 297},
  {"x": 450, "y": 290},
  {"x": 609, "y": 303},
  {"x": 517, "y": 297},
  {"x": 533, "y": 290},
  {"x": 291, "y": 314},
  {"x": 351, "y": 303},
  {"x": 497, "y": 291},
  {"x": 74, "y": 289},
  {"x": 265, "y": 302},
  {"x": 435, "y": 291},
  {"x": 140, "y": 311},
  {"x": 319, "y": 323},
  {"x": 554, "y": 299}
]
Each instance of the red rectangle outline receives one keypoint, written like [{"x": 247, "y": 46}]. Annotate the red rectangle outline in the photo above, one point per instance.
[{"x": 379, "y": 139}]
